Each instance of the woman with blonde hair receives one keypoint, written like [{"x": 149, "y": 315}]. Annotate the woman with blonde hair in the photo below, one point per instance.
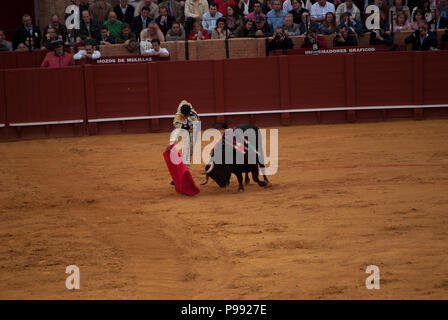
[
  {"x": 152, "y": 32},
  {"x": 401, "y": 22}
]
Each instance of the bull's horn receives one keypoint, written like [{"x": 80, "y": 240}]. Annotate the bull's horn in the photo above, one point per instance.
[
  {"x": 205, "y": 181},
  {"x": 212, "y": 165}
]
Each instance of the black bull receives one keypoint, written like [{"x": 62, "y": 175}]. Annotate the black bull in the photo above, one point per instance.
[{"x": 246, "y": 156}]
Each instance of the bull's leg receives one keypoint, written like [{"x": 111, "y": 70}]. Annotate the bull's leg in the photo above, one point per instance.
[
  {"x": 265, "y": 178},
  {"x": 239, "y": 176},
  {"x": 247, "y": 180},
  {"x": 256, "y": 179}
]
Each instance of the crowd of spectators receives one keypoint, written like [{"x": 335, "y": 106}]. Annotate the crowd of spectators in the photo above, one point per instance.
[{"x": 144, "y": 25}]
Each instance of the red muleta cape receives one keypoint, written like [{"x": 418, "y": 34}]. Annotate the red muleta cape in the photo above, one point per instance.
[{"x": 183, "y": 182}]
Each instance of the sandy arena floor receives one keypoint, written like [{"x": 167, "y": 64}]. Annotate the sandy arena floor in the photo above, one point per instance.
[{"x": 345, "y": 196}]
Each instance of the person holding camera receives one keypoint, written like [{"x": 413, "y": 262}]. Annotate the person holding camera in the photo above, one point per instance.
[
  {"x": 50, "y": 37},
  {"x": 380, "y": 37},
  {"x": 307, "y": 24},
  {"x": 280, "y": 40},
  {"x": 314, "y": 40},
  {"x": 351, "y": 23},
  {"x": 261, "y": 29},
  {"x": 421, "y": 39},
  {"x": 345, "y": 38}
]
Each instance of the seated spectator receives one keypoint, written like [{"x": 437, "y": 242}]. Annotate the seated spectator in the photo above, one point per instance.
[
  {"x": 164, "y": 21},
  {"x": 209, "y": 19},
  {"x": 57, "y": 58},
  {"x": 127, "y": 38},
  {"x": 287, "y": 5},
  {"x": 314, "y": 40},
  {"x": 151, "y": 5},
  {"x": 421, "y": 39},
  {"x": 401, "y": 22},
  {"x": 244, "y": 7},
  {"x": 87, "y": 53},
  {"x": 223, "y": 4},
  {"x": 99, "y": 11},
  {"x": 348, "y": 6},
  {"x": 418, "y": 17},
  {"x": 221, "y": 31},
  {"x": 345, "y": 38},
  {"x": 379, "y": 37},
  {"x": 196, "y": 9},
  {"x": 59, "y": 28},
  {"x": 384, "y": 10},
  {"x": 280, "y": 40},
  {"x": 105, "y": 38},
  {"x": 156, "y": 50},
  {"x": 233, "y": 20},
  {"x": 266, "y": 6},
  {"x": 297, "y": 10},
  {"x": 84, "y": 5},
  {"x": 244, "y": 30},
  {"x": 438, "y": 22},
  {"x": 4, "y": 45},
  {"x": 124, "y": 11},
  {"x": 351, "y": 24},
  {"x": 443, "y": 7},
  {"x": 88, "y": 30},
  {"x": 261, "y": 29},
  {"x": 257, "y": 12},
  {"x": 397, "y": 8},
  {"x": 290, "y": 28},
  {"x": 113, "y": 25},
  {"x": 307, "y": 24},
  {"x": 320, "y": 9},
  {"x": 152, "y": 32},
  {"x": 22, "y": 48},
  {"x": 176, "y": 33},
  {"x": 328, "y": 26},
  {"x": 175, "y": 9},
  {"x": 198, "y": 33},
  {"x": 50, "y": 37},
  {"x": 276, "y": 15},
  {"x": 141, "y": 21},
  {"x": 27, "y": 33},
  {"x": 425, "y": 9}
]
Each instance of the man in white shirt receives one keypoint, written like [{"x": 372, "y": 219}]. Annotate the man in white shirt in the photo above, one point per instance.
[
  {"x": 209, "y": 18},
  {"x": 156, "y": 50},
  {"x": 320, "y": 9},
  {"x": 347, "y": 6},
  {"x": 88, "y": 53}
]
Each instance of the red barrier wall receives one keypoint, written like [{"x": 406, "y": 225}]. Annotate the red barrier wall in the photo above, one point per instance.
[
  {"x": 2, "y": 107},
  {"x": 126, "y": 98},
  {"x": 44, "y": 95},
  {"x": 13, "y": 60}
]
